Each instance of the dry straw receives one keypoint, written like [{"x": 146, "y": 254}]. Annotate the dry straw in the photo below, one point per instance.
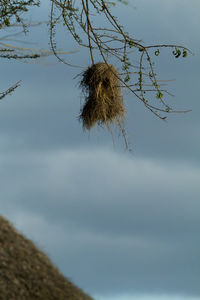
[
  {"x": 103, "y": 102},
  {"x": 27, "y": 273}
]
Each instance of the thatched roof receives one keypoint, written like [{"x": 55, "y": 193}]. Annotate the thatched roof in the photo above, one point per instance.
[{"x": 27, "y": 273}]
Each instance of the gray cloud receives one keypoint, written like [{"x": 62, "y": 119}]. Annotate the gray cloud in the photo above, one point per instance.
[
  {"x": 42, "y": 113},
  {"x": 112, "y": 223},
  {"x": 116, "y": 224}
]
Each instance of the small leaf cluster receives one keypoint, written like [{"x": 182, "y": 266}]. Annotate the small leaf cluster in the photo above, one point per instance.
[
  {"x": 13, "y": 9},
  {"x": 126, "y": 63},
  {"x": 177, "y": 53},
  {"x": 159, "y": 95}
]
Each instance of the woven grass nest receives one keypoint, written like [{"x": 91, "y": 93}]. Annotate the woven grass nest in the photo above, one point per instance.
[{"x": 103, "y": 102}]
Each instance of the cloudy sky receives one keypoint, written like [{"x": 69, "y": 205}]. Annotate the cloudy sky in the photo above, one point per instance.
[{"x": 122, "y": 226}]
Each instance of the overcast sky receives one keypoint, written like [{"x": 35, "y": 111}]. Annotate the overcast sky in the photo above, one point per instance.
[{"x": 121, "y": 226}]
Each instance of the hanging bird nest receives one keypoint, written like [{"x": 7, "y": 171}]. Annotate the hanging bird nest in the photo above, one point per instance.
[{"x": 103, "y": 102}]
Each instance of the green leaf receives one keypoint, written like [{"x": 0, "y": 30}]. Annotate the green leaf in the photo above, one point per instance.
[
  {"x": 7, "y": 22},
  {"x": 141, "y": 49},
  {"x": 127, "y": 78},
  {"x": 157, "y": 52},
  {"x": 159, "y": 95},
  {"x": 185, "y": 53},
  {"x": 131, "y": 43},
  {"x": 177, "y": 52},
  {"x": 167, "y": 109}
]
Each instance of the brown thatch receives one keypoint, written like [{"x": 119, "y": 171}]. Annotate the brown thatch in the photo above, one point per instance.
[
  {"x": 26, "y": 273},
  {"x": 104, "y": 102}
]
